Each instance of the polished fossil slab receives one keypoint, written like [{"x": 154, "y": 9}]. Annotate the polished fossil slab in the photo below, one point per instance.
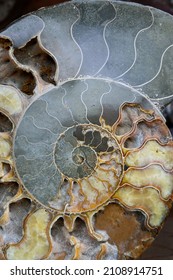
[{"x": 85, "y": 153}]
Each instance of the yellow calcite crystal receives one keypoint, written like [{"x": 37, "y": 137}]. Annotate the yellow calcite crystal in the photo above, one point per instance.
[
  {"x": 153, "y": 176},
  {"x": 5, "y": 146},
  {"x": 10, "y": 100},
  {"x": 146, "y": 199},
  {"x": 35, "y": 243},
  {"x": 151, "y": 152}
]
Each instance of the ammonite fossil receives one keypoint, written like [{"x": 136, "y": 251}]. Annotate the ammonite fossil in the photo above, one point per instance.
[{"x": 86, "y": 159}]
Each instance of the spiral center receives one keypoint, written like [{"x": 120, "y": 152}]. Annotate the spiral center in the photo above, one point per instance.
[
  {"x": 78, "y": 159},
  {"x": 74, "y": 162}
]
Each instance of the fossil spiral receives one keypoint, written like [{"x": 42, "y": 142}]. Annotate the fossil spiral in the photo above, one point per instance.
[{"x": 86, "y": 159}]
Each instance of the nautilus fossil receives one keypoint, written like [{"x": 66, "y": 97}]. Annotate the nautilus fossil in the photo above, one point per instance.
[{"x": 86, "y": 158}]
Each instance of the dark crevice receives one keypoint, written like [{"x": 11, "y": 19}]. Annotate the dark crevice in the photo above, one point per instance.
[
  {"x": 5, "y": 123},
  {"x": 125, "y": 167},
  {"x": 57, "y": 225},
  {"x": 10, "y": 74},
  {"x": 37, "y": 59},
  {"x": 6, "y": 168},
  {"x": 7, "y": 192}
]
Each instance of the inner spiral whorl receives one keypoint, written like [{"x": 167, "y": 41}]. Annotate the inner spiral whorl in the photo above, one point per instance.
[
  {"x": 74, "y": 160},
  {"x": 90, "y": 161}
]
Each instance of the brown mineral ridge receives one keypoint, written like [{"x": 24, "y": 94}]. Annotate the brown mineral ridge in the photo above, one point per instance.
[{"x": 125, "y": 229}]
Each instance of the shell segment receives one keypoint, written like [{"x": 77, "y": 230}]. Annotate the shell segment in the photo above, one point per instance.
[
  {"x": 10, "y": 100},
  {"x": 146, "y": 199},
  {"x": 151, "y": 151},
  {"x": 153, "y": 175},
  {"x": 35, "y": 244}
]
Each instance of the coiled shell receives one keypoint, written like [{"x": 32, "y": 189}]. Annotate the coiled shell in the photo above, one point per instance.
[{"x": 86, "y": 158}]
